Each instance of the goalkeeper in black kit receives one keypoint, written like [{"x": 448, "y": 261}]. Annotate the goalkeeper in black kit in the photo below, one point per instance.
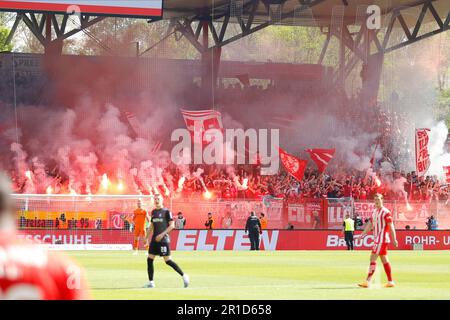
[
  {"x": 161, "y": 225},
  {"x": 253, "y": 227}
]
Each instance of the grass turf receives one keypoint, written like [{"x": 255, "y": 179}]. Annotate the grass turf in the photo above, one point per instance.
[{"x": 266, "y": 275}]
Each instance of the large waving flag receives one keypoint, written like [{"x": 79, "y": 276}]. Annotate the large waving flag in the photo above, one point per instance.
[
  {"x": 295, "y": 166},
  {"x": 133, "y": 124},
  {"x": 197, "y": 122},
  {"x": 321, "y": 157}
]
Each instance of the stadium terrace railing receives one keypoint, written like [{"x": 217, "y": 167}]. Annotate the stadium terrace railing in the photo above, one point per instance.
[{"x": 114, "y": 212}]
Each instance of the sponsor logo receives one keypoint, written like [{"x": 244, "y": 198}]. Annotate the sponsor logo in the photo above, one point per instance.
[
  {"x": 426, "y": 240},
  {"x": 223, "y": 240},
  {"x": 59, "y": 238},
  {"x": 337, "y": 241},
  {"x": 116, "y": 221}
]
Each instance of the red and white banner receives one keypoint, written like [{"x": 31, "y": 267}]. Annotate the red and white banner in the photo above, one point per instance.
[
  {"x": 197, "y": 122},
  {"x": 422, "y": 155},
  {"x": 78, "y": 237},
  {"x": 415, "y": 215},
  {"x": 321, "y": 157},
  {"x": 196, "y": 213},
  {"x": 211, "y": 240},
  {"x": 336, "y": 210},
  {"x": 301, "y": 214},
  {"x": 447, "y": 173},
  {"x": 294, "y": 166},
  {"x": 147, "y": 8},
  {"x": 300, "y": 240}
]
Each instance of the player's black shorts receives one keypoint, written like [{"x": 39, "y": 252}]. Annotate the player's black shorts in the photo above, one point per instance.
[{"x": 159, "y": 248}]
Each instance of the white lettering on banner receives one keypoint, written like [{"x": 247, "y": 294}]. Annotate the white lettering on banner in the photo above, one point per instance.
[
  {"x": 201, "y": 243},
  {"x": 446, "y": 240},
  {"x": 197, "y": 240},
  {"x": 296, "y": 213},
  {"x": 186, "y": 240},
  {"x": 78, "y": 240},
  {"x": 113, "y": 247},
  {"x": 336, "y": 241},
  {"x": 364, "y": 209},
  {"x": 422, "y": 155},
  {"x": 222, "y": 235},
  {"x": 241, "y": 241},
  {"x": 332, "y": 241},
  {"x": 274, "y": 211},
  {"x": 61, "y": 239},
  {"x": 335, "y": 214},
  {"x": 427, "y": 240},
  {"x": 270, "y": 244}
]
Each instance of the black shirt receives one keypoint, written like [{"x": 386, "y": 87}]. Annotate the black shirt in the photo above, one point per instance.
[
  {"x": 160, "y": 221},
  {"x": 333, "y": 194},
  {"x": 253, "y": 224}
]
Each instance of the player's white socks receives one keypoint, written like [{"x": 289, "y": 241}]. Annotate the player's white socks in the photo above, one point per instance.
[{"x": 186, "y": 280}]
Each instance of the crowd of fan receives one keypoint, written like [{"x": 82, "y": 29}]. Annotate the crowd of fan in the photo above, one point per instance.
[
  {"x": 247, "y": 183},
  {"x": 388, "y": 125}
]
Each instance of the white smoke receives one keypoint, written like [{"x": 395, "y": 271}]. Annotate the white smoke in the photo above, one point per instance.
[{"x": 439, "y": 157}]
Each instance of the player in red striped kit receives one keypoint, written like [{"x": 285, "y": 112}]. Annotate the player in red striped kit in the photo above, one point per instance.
[
  {"x": 27, "y": 270},
  {"x": 383, "y": 230}
]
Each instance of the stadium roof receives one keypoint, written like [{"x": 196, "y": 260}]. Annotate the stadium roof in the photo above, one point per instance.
[{"x": 322, "y": 11}]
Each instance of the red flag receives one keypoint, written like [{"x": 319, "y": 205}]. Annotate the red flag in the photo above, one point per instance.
[
  {"x": 295, "y": 166},
  {"x": 372, "y": 160},
  {"x": 321, "y": 157},
  {"x": 197, "y": 122},
  {"x": 447, "y": 173},
  {"x": 137, "y": 131},
  {"x": 422, "y": 155},
  {"x": 133, "y": 123}
]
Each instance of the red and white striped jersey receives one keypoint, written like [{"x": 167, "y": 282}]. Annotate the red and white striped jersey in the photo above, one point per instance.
[{"x": 380, "y": 220}]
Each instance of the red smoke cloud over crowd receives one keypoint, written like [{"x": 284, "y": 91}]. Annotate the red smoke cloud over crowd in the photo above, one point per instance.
[{"x": 78, "y": 137}]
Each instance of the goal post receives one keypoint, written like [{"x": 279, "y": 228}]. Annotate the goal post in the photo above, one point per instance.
[{"x": 79, "y": 222}]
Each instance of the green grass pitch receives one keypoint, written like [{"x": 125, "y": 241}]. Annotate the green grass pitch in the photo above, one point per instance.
[{"x": 266, "y": 275}]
